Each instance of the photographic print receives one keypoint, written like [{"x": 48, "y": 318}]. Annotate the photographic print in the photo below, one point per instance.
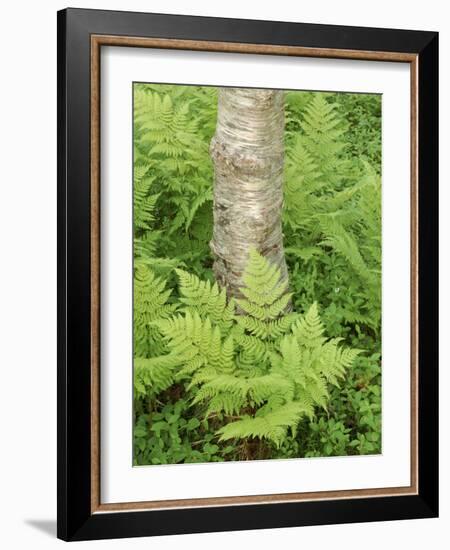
[
  {"x": 247, "y": 274},
  {"x": 257, "y": 274}
]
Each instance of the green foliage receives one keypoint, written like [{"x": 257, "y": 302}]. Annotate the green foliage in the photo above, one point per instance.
[
  {"x": 232, "y": 370},
  {"x": 363, "y": 115},
  {"x": 264, "y": 368},
  {"x": 143, "y": 202},
  {"x": 171, "y": 147},
  {"x": 333, "y": 221},
  {"x": 351, "y": 424},
  {"x": 170, "y": 435},
  {"x": 150, "y": 304}
]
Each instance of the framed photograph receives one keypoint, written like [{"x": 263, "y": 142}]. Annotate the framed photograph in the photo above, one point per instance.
[{"x": 247, "y": 255}]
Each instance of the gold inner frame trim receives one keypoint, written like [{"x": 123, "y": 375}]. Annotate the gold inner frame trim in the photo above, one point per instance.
[{"x": 97, "y": 41}]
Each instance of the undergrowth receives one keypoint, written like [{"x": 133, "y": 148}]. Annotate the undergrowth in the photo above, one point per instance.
[{"x": 211, "y": 385}]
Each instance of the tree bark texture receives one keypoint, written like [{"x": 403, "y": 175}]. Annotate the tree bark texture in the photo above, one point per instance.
[{"x": 248, "y": 154}]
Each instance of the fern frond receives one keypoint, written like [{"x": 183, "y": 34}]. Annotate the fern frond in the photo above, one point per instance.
[
  {"x": 150, "y": 304},
  {"x": 270, "y": 330},
  {"x": 205, "y": 298},
  {"x": 275, "y": 364},
  {"x": 309, "y": 329},
  {"x": 197, "y": 344},
  {"x": 154, "y": 374},
  {"x": 272, "y": 426},
  {"x": 341, "y": 241},
  {"x": 144, "y": 203}
]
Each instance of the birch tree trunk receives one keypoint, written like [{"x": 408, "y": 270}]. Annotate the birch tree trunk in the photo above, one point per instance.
[{"x": 248, "y": 154}]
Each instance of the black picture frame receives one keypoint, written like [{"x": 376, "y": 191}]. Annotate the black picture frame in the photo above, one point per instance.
[{"x": 75, "y": 518}]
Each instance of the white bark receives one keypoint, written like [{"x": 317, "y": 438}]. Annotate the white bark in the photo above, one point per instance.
[{"x": 248, "y": 156}]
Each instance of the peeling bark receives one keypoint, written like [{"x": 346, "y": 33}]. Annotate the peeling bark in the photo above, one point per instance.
[{"x": 248, "y": 154}]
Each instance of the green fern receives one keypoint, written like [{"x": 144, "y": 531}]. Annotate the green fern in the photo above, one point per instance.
[
  {"x": 146, "y": 238},
  {"x": 267, "y": 367},
  {"x": 151, "y": 377},
  {"x": 150, "y": 304},
  {"x": 332, "y": 214},
  {"x": 168, "y": 134},
  {"x": 323, "y": 130},
  {"x": 165, "y": 126},
  {"x": 262, "y": 374},
  {"x": 195, "y": 344},
  {"x": 143, "y": 202},
  {"x": 206, "y": 299},
  {"x": 266, "y": 300},
  {"x": 271, "y": 426}
]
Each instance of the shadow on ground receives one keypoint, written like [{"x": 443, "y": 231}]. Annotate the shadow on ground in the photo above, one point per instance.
[{"x": 47, "y": 526}]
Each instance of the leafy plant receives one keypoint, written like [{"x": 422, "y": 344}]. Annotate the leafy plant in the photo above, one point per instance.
[
  {"x": 333, "y": 220},
  {"x": 171, "y": 140},
  {"x": 261, "y": 371},
  {"x": 171, "y": 435},
  {"x": 332, "y": 237},
  {"x": 150, "y": 304}
]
